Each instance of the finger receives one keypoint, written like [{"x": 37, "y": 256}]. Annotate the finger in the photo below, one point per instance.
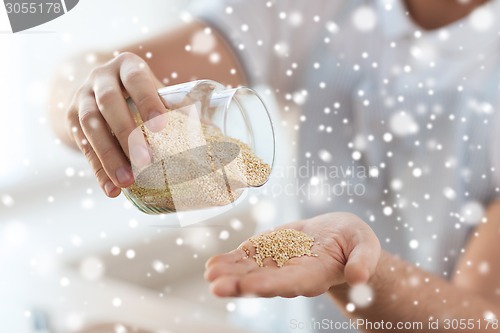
[
  {"x": 104, "y": 181},
  {"x": 104, "y": 145},
  {"x": 224, "y": 269},
  {"x": 362, "y": 261},
  {"x": 141, "y": 87},
  {"x": 248, "y": 248},
  {"x": 140, "y": 152},
  {"x": 225, "y": 286},
  {"x": 230, "y": 257},
  {"x": 287, "y": 281},
  {"x": 114, "y": 109}
]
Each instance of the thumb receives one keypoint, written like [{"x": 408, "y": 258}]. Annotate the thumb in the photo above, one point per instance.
[{"x": 362, "y": 260}]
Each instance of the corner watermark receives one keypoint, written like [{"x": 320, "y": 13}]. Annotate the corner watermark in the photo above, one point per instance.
[
  {"x": 446, "y": 324},
  {"x": 26, "y": 14}
]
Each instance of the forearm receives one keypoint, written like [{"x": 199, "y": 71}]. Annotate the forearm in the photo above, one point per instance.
[
  {"x": 168, "y": 57},
  {"x": 404, "y": 293}
]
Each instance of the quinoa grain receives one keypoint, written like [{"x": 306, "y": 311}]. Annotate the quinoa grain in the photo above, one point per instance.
[
  {"x": 194, "y": 166},
  {"x": 282, "y": 245}
]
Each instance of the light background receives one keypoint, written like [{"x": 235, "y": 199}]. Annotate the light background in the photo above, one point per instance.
[
  {"x": 53, "y": 215},
  {"x": 28, "y": 60}
]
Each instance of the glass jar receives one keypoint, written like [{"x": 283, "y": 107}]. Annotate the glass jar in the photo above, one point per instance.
[{"x": 210, "y": 145}]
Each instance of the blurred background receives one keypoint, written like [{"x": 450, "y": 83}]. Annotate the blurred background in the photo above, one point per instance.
[{"x": 70, "y": 259}]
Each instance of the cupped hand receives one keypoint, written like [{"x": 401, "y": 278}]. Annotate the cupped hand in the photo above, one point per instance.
[
  {"x": 100, "y": 123},
  {"x": 347, "y": 251}
]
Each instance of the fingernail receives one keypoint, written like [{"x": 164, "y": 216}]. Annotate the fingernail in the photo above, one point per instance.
[
  {"x": 156, "y": 121},
  {"x": 124, "y": 175},
  {"x": 139, "y": 155},
  {"x": 109, "y": 187}
]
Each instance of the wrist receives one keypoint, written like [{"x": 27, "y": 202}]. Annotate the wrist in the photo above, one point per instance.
[{"x": 341, "y": 291}]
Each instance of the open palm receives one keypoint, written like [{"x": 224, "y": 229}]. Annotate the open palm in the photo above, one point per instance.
[{"x": 347, "y": 251}]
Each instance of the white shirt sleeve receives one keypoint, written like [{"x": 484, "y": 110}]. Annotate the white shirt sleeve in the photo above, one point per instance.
[
  {"x": 494, "y": 153},
  {"x": 248, "y": 27},
  {"x": 271, "y": 37}
]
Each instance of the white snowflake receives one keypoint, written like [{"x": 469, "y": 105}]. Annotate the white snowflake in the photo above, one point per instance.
[
  {"x": 295, "y": 19},
  {"x": 482, "y": 19},
  {"x": 325, "y": 155},
  {"x": 264, "y": 212},
  {"x": 202, "y": 42},
  {"x": 91, "y": 268},
  {"x": 224, "y": 235},
  {"x": 236, "y": 224},
  {"x": 403, "y": 124},
  {"x": 361, "y": 295},
  {"x": 332, "y": 27},
  {"x": 159, "y": 266},
  {"x": 364, "y": 18},
  {"x": 472, "y": 212},
  {"x": 130, "y": 254},
  {"x": 414, "y": 244},
  {"x": 281, "y": 49},
  {"x": 387, "y": 210},
  {"x": 7, "y": 200},
  {"x": 116, "y": 302}
]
